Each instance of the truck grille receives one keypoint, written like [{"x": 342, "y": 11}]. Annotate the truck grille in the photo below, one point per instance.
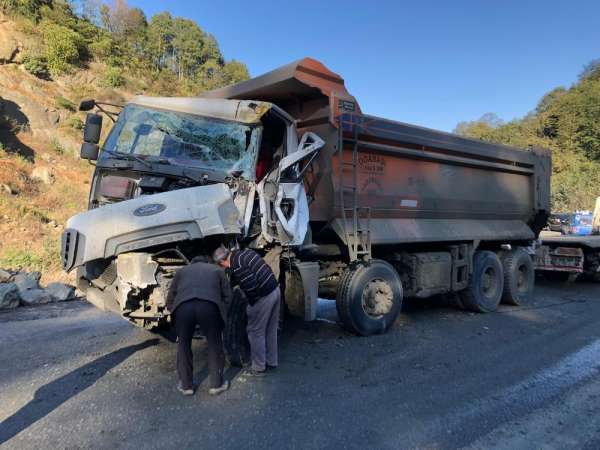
[{"x": 68, "y": 249}]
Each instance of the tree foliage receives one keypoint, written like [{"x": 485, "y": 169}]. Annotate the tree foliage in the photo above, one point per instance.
[
  {"x": 113, "y": 77},
  {"x": 36, "y": 65},
  {"x": 167, "y": 55},
  {"x": 566, "y": 121},
  {"x": 63, "y": 47},
  {"x": 26, "y": 8}
]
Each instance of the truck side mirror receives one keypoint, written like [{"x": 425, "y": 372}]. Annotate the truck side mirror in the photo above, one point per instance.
[
  {"x": 92, "y": 128},
  {"x": 91, "y": 137},
  {"x": 89, "y": 151},
  {"x": 87, "y": 105}
]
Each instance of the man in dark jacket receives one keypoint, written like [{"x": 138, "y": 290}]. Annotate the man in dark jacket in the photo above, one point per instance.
[
  {"x": 258, "y": 282},
  {"x": 200, "y": 294}
]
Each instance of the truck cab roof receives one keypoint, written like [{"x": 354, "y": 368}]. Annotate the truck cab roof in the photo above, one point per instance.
[{"x": 244, "y": 111}]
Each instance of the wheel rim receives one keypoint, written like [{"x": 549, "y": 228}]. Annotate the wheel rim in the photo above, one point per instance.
[
  {"x": 489, "y": 282},
  {"x": 377, "y": 298},
  {"x": 523, "y": 279}
]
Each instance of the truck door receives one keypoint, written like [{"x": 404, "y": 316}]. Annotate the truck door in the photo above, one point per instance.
[{"x": 283, "y": 202}]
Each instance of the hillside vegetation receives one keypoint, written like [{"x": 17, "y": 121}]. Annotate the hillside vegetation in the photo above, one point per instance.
[
  {"x": 53, "y": 54},
  {"x": 164, "y": 55},
  {"x": 566, "y": 121}
]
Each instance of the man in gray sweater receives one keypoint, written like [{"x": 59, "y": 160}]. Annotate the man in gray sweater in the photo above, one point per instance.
[
  {"x": 259, "y": 284},
  {"x": 200, "y": 294}
]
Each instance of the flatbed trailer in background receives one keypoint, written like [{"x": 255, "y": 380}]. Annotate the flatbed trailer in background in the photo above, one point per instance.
[{"x": 569, "y": 257}]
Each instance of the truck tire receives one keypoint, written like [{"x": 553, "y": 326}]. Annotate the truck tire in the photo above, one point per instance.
[
  {"x": 485, "y": 287},
  {"x": 235, "y": 337},
  {"x": 369, "y": 297},
  {"x": 519, "y": 277}
]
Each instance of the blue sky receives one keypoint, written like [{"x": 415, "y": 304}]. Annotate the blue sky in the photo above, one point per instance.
[{"x": 432, "y": 63}]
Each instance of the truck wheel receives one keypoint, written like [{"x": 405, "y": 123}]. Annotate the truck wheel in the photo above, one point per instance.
[
  {"x": 519, "y": 277},
  {"x": 235, "y": 337},
  {"x": 485, "y": 287},
  {"x": 369, "y": 297}
]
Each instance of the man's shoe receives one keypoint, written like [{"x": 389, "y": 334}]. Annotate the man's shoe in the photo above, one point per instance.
[
  {"x": 271, "y": 368},
  {"x": 219, "y": 390},
  {"x": 185, "y": 392},
  {"x": 253, "y": 373}
]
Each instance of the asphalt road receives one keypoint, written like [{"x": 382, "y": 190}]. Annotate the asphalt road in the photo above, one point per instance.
[{"x": 72, "y": 376}]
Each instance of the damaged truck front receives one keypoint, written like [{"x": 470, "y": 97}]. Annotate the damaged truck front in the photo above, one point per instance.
[{"x": 175, "y": 178}]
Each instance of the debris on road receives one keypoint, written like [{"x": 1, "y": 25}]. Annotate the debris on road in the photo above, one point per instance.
[
  {"x": 9, "y": 296},
  {"x": 27, "y": 281},
  {"x": 60, "y": 292},
  {"x": 23, "y": 289},
  {"x": 34, "y": 297},
  {"x": 5, "y": 276}
]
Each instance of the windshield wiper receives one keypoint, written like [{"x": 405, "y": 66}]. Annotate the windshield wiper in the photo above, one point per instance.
[
  {"x": 203, "y": 179},
  {"x": 128, "y": 157}
]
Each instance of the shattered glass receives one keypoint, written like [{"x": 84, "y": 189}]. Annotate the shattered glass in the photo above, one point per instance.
[{"x": 185, "y": 139}]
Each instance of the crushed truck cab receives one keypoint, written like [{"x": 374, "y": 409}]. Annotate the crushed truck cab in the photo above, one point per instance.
[{"x": 175, "y": 178}]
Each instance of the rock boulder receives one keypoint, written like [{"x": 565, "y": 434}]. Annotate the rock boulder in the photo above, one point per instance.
[
  {"x": 5, "y": 276},
  {"x": 9, "y": 296},
  {"x": 43, "y": 174},
  {"x": 9, "y": 49},
  {"x": 27, "y": 281},
  {"x": 60, "y": 292},
  {"x": 32, "y": 297}
]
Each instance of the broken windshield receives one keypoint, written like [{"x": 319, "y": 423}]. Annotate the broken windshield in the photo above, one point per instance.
[{"x": 184, "y": 139}]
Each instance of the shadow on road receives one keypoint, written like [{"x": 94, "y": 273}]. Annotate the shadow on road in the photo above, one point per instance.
[{"x": 54, "y": 394}]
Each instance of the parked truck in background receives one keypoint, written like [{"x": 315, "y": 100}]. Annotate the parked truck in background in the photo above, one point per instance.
[
  {"x": 342, "y": 205},
  {"x": 567, "y": 257}
]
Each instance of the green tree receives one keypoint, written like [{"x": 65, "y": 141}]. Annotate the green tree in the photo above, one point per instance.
[
  {"x": 234, "y": 72},
  {"x": 26, "y": 8},
  {"x": 188, "y": 47},
  {"x": 591, "y": 71},
  {"x": 113, "y": 77},
  {"x": 36, "y": 65},
  {"x": 63, "y": 47},
  {"x": 160, "y": 40}
]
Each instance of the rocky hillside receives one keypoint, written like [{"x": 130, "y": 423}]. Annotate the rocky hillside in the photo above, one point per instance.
[{"x": 42, "y": 180}]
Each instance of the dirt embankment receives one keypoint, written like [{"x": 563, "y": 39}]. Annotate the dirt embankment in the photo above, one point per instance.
[{"x": 42, "y": 181}]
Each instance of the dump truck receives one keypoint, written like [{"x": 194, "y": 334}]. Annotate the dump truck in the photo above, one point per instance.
[{"x": 341, "y": 204}]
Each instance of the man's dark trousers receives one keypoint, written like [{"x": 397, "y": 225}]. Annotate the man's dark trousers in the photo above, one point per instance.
[{"x": 207, "y": 315}]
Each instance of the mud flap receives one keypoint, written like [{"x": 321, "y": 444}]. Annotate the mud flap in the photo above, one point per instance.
[{"x": 309, "y": 272}]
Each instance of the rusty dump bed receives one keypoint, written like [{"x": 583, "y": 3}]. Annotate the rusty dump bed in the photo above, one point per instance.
[{"x": 421, "y": 185}]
